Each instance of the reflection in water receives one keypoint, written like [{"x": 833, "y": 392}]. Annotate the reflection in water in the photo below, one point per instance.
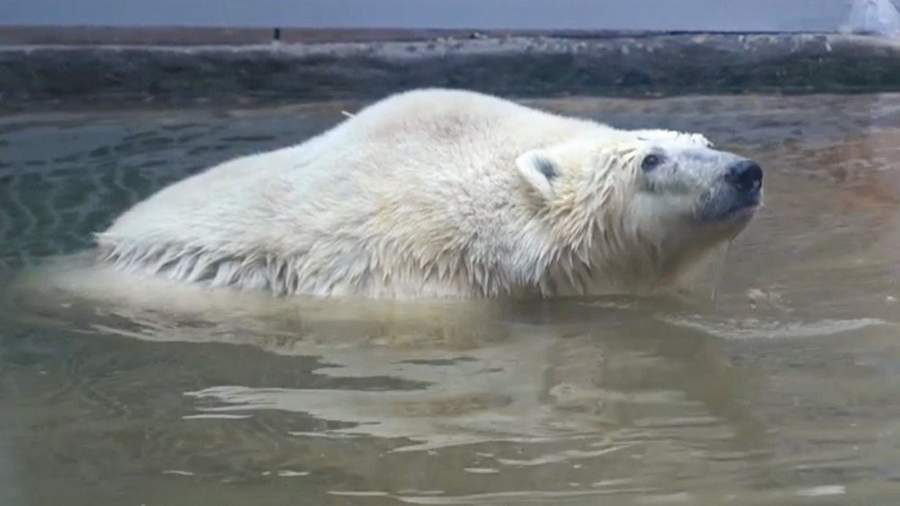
[
  {"x": 572, "y": 394},
  {"x": 600, "y": 391},
  {"x": 781, "y": 390}
]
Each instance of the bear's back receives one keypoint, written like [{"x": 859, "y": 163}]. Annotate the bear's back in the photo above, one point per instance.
[{"x": 415, "y": 180}]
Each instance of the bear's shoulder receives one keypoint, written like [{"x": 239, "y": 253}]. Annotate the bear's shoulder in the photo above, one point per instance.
[{"x": 439, "y": 105}]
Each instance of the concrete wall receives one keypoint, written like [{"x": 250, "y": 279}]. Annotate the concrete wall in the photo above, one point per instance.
[{"x": 702, "y": 15}]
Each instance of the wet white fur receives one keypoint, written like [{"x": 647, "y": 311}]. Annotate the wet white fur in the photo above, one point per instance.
[{"x": 430, "y": 193}]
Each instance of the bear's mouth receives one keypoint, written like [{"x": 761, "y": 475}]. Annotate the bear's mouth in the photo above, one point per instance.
[
  {"x": 744, "y": 207},
  {"x": 729, "y": 208}
]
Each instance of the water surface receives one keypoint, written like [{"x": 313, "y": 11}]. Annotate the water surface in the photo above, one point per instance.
[{"x": 784, "y": 389}]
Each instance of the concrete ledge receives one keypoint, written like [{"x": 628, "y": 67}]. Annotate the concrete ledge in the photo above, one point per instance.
[
  {"x": 231, "y": 36},
  {"x": 41, "y": 76}
]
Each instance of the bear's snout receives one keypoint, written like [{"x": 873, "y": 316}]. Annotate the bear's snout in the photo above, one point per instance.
[{"x": 745, "y": 176}]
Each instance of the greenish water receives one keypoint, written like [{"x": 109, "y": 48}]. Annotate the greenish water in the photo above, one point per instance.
[{"x": 784, "y": 389}]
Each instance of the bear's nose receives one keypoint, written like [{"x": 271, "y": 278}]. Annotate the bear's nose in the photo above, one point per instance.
[{"x": 746, "y": 176}]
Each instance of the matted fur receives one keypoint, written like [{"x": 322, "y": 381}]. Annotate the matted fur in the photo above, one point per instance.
[{"x": 417, "y": 195}]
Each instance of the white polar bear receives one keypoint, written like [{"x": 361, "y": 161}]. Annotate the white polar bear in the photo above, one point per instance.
[{"x": 440, "y": 193}]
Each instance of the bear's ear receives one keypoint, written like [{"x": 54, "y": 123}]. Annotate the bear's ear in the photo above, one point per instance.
[{"x": 538, "y": 170}]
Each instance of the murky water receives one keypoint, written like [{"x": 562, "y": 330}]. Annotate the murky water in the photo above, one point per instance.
[{"x": 783, "y": 390}]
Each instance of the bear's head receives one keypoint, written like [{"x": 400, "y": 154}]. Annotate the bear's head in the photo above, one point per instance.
[{"x": 644, "y": 204}]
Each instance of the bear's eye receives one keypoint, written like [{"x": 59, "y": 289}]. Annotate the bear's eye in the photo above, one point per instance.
[{"x": 650, "y": 162}]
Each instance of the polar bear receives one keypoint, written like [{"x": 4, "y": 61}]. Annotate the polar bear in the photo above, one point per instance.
[{"x": 446, "y": 193}]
